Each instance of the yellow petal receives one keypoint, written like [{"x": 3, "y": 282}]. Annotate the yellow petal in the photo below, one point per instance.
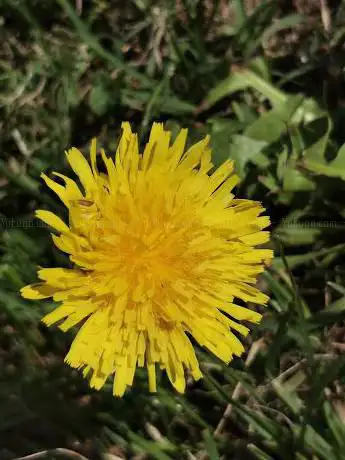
[
  {"x": 77, "y": 315},
  {"x": 93, "y": 155},
  {"x": 73, "y": 192},
  {"x": 82, "y": 168},
  {"x": 193, "y": 155},
  {"x": 37, "y": 291},
  {"x": 57, "y": 188},
  {"x": 151, "y": 370},
  {"x": 58, "y": 314},
  {"x": 241, "y": 313},
  {"x": 177, "y": 149},
  {"x": 52, "y": 220},
  {"x": 254, "y": 239}
]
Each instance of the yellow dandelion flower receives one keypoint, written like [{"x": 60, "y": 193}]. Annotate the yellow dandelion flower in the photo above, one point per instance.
[{"x": 160, "y": 249}]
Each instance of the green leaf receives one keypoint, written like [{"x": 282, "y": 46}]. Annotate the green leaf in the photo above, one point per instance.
[
  {"x": 259, "y": 454},
  {"x": 94, "y": 44},
  {"x": 261, "y": 67},
  {"x": 175, "y": 106},
  {"x": 288, "y": 22},
  {"x": 245, "y": 150},
  {"x": 266, "y": 427},
  {"x": 337, "y": 287},
  {"x": 245, "y": 114},
  {"x": 240, "y": 12},
  {"x": 281, "y": 292},
  {"x": 296, "y": 236},
  {"x": 249, "y": 36},
  {"x": 241, "y": 80},
  {"x": 70, "y": 88},
  {"x": 210, "y": 445},
  {"x": 321, "y": 127},
  {"x": 316, "y": 443},
  {"x": 335, "y": 168},
  {"x": 99, "y": 98},
  {"x": 222, "y": 131},
  {"x": 150, "y": 447},
  {"x": 336, "y": 426},
  {"x": 288, "y": 396},
  {"x": 192, "y": 412},
  {"x": 270, "y": 126},
  {"x": 324, "y": 170},
  {"x": 297, "y": 260},
  {"x": 282, "y": 162},
  {"x": 296, "y": 181},
  {"x": 270, "y": 182},
  {"x": 167, "y": 104},
  {"x": 292, "y": 110}
]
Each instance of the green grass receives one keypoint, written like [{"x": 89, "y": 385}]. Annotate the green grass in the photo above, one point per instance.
[{"x": 267, "y": 84}]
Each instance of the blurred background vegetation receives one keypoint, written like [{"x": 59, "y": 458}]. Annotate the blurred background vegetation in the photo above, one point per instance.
[{"x": 266, "y": 80}]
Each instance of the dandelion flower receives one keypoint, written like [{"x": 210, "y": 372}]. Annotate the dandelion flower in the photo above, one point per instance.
[{"x": 160, "y": 249}]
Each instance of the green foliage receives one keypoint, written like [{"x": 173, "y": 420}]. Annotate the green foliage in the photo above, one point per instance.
[{"x": 263, "y": 83}]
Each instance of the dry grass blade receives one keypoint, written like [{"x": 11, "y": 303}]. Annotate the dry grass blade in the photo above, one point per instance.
[
  {"x": 59, "y": 452},
  {"x": 255, "y": 348}
]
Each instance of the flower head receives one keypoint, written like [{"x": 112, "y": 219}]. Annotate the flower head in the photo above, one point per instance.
[{"x": 160, "y": 249}]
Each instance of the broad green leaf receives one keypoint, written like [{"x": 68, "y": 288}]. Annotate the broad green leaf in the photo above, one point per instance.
[
  {"x": 296, "y": 236},
  {"x": 324, "y": 170},
  {"x": 270, "y": 182},
  {"x": 260, "y": 66},
  {"x": 241, "y": 80},
  {"x": 296, "y": 181},
  {"x": 245, "y": 114},
  {"x": 285, "y": 197},
  {"x": 282, "y": 118},
  {"x": 245, "y": 150},
  {"x": 272, "y": 124},
  {"x": 282, "y": 162},
  {"x": 308, "y": 111},
  {"x": 335, "y": 168},
  {"x": 321, "y": 127},
  {"x": 175, "y": 106},
  {"x": 268, "y": 127},
  {"x": 222, "y": 131}
]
